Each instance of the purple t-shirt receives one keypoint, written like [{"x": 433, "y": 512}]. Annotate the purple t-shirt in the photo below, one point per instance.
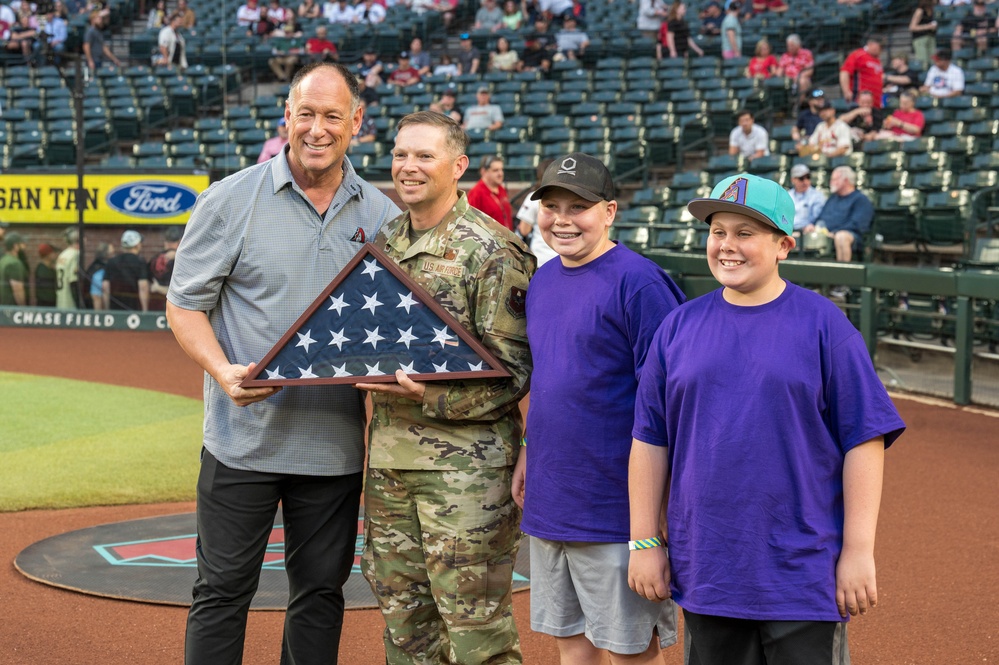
[
  {"x": 759, "y": 406},
  {"x": 589, "y": 328}
]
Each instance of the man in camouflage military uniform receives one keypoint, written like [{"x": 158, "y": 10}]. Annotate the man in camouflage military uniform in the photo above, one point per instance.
[{"x": 441, "y": 528}]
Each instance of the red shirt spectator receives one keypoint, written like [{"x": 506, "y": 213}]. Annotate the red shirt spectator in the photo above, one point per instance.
[
  {"x": 792, "y": 64},
  {"x": 762, "y": 6},
  {"x": 862, "y": 70},
  {"x": 405, "y": 74},
  {"x": 489, "y": 195},
  {"x": 763, "y": 64},
  {"x": 320, "y": 45}
]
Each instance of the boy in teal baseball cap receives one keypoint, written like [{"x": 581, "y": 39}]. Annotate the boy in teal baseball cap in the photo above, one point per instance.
[{"x": 760, "y": 413}]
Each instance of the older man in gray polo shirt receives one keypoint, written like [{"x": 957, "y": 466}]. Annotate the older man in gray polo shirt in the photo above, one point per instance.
[{"x": 259, "y": 247}]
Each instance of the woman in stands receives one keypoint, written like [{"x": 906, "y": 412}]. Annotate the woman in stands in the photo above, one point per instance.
[
  {"x": 504, "y": 58},
  {"x": 763, "y": 64},
  {"x": 675, "y": 34}
]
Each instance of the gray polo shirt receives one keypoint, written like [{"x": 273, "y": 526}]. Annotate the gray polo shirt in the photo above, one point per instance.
[{"x": 255, "y": 254}]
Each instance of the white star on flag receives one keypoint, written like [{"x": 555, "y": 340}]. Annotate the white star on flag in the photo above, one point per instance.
[
  {"x": 408, "y": 369},
  {"x": 341, "y": 370},
  {"x": 307, "y": 373},
  {"x": 276, "y": 374},
  {"x": 370, "y": 268},
  {"x": 440, "y": 368},
  {"x": 338, "y": 304},
  {"x": 373, "y": 370},
  {"x": 406, "y": 336},
  {"x": 441, "y": 336},
  {"x": 406, "y": 301},
  {"x": 305, "y": 340},
  {"x": 338, "y": 338},
  {"x": 477, "y": 367},
  {"x": 373, "y": 338},
  {"x": 371, "y": 302}
]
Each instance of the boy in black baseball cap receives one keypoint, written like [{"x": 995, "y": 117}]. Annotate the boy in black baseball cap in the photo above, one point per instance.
[{"x": 591, "y": 315}]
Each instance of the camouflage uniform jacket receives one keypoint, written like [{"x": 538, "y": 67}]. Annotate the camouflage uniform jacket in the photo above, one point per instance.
[{"x": 478, "y": 271}]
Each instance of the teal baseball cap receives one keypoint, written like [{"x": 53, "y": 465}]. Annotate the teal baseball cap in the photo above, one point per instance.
[{"x": 747, "y": 194}]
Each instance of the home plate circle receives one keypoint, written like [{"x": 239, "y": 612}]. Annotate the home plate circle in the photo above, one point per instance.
[{"x": 152, "y": 560}]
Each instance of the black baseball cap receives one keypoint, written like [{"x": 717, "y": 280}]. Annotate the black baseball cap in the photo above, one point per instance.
[{"x": 579, "y": 173}]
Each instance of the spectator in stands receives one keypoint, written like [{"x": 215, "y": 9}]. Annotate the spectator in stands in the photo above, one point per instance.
[
  {"x": 831, "y": 137},
  {"x": 553, "y": 9},
  {"x": 731, "y": 31},
  {"x": 446, "y": 67},
  {"x": 449, "y": 105},
  {"x": 489, "y": 195},
  {"x": 711, "y": 19},
  {"x": 651, "y": 17},
  {"x": 338, "y": 12},
  {"x": 405, "y": 74},
  {"x": 419, "y": 58},
  {"x": 978, "y": 25},
  {"x": 172, "y": 45},
  {"x": 771, "y": 6},
  {"x": 468, "y": 56},
  {"x": 900, "y": 76},
  {"x": 578, "y": 10},
  {"x": 847, "y": 214},
  {"x": 923, "y": 28},
  {"x": 444, "y": 7},
  {"x": 22, "y": 38},
  {"x": 483, "y": 115},
  {"x": 488, "y": 17},
  {"x": 763, "y": 64},
  {"x": 188, "y": 18},
  {"x": 674, "y": 34},
  {"x": 808, "y": 201},
  {"x": 370, "y": 68},
  {"x": 14, "y": 271},
  {"x": 319, "y": 47},
  {"x": 862, "y": 70},
  {"x": 369, "y": 12},
  {"x": 513, "y": 17},
  {"x": 504, "y": 58},
  {"x": 864, "y": 118},
  {"x": 68, "y": 271},
  {"x": 367, "y": 132},
  {"x": 95, "y": 49},
  {"x": 161, "y": 268},
  {"x": 906, "y": 122},
  {"x": 539, "y": 48},
  {"x": 808, "y": 119},
  {"x": 249, "y": 16},
  {"x": 275, "y": 144},
  {"x": 126, "y": 278},
  {"x": 748, "y": 139},
  {"x": 368, "y": 95},
  {"x": 157, "y": 17},
  {"x": 309, "y": 9},
  {"x": 797, "y": 64},
  {"x": 570, "y": 40},
  {"x": 51, "y": 39},
  {"x": 276, "y": 16},
  {"x": 944, "y": 79},
  {"x": 94, "y": 276}
]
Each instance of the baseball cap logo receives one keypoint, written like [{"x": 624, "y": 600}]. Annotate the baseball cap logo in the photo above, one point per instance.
[
  {"x": 736, "y": 192},
  {"x": 568, "y": 166}
]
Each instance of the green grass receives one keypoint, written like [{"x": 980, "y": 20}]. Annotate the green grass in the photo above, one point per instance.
[{"x": 70, "y": 443}]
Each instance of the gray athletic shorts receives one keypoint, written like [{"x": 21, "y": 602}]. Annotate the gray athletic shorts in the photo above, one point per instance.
[{"x": 582, "y": 588}]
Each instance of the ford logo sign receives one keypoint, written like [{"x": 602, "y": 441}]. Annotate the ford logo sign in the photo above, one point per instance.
[{"x": 152, "y": 199}]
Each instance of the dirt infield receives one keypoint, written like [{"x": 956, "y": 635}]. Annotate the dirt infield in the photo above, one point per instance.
[{"x": 938, "y": 539}]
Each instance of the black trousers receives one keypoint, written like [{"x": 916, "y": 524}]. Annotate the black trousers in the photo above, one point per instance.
[
  {"x": 714, "y": 640},
  {"x": 235, "y": 518}
]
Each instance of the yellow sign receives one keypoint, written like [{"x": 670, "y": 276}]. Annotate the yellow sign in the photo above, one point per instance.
[{"x": 108, "y": 198}]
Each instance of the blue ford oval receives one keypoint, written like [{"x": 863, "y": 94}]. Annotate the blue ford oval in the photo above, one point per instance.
[{"x": 152, "y": 199}]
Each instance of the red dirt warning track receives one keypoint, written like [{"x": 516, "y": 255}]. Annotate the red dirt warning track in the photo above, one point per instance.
[{"x": 938, "y": 540}]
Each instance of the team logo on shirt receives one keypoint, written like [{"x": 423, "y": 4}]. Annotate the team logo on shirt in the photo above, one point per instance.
[
  {"x": 358, "y": 236},
  {"x": 736, "y": 192}
]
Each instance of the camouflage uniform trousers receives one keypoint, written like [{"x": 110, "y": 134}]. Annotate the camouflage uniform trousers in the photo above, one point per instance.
[{"x": 439, "y": 548}]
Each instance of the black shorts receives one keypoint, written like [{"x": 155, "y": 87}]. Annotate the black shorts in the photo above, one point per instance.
[{"x": 714, "y": 640}]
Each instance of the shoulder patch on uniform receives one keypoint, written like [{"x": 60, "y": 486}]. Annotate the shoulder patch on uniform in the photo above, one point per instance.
[{"x": 516, "y": 304}]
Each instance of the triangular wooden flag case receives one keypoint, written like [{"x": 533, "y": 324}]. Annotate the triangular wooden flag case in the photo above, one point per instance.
[{"x": 371, "y": 320}]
